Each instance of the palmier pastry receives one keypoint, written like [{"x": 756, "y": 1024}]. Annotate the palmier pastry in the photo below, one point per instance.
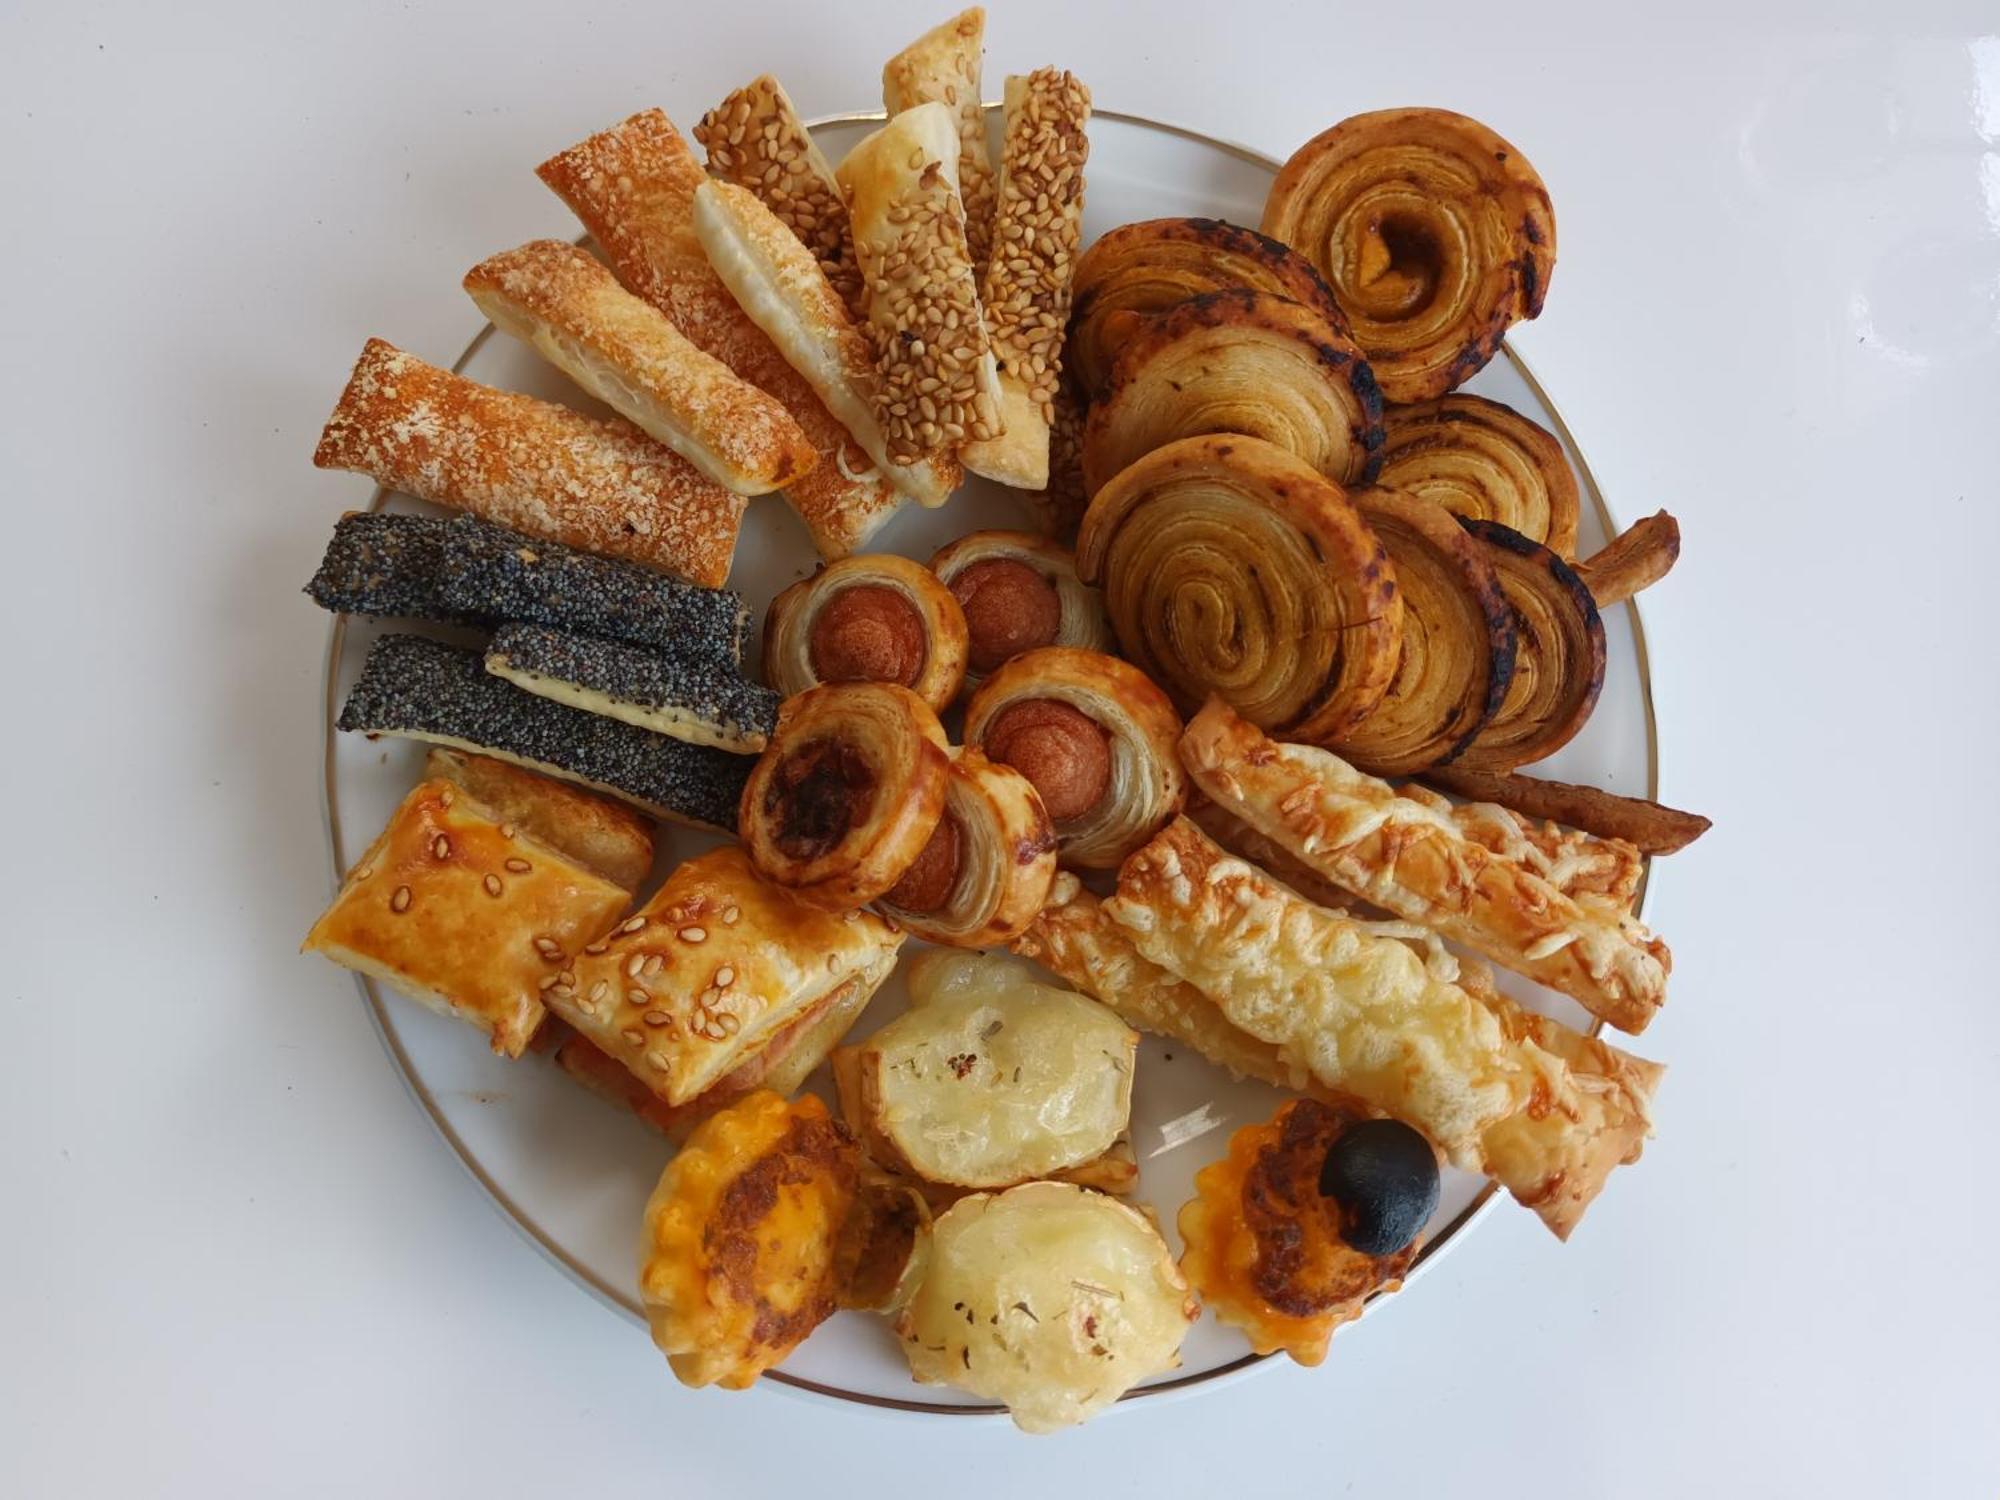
[
  {"x": 1434, "y": 233},
  {"x": 986, "y": 869},
  {"x": 1238, "y": 361},
  {"x": 1458, "y": 640},
  {"x": 1149, "y": 267},
  {"x": 943, "y": 66},
  {"x": 848, "y": 793},
  {"x": 875, "y": 618},
  {"x": 1558, "y": 654},
  {"x": 1232, "y": 567},
  {"x": 1478, "y": 458},
  {"x": 1095, "y": 737},
  {"x": 1018, "y": 592}
]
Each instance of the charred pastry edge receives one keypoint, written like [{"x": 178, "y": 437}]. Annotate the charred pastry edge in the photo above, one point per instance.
[
  {"x": 1213, "y": 315},
  {"x": 1001, "y": 817},
  {"x": 688, "y": 699},
  {"x": 1081, "y": 623},
  {"x": 1427, "y": 427},
  {"x": 417, "y": 688},
  {"x": 788, "y": 625}
]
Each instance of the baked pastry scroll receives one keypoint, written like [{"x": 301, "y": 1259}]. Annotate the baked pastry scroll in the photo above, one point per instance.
[
  {"x": 1019, "y": 592},
  {"x": 1478, "y": 458},
  {"x": 943, "y": 65},
  {"x": 872, "y": 618},
  {"x": 986, "y": 869}
]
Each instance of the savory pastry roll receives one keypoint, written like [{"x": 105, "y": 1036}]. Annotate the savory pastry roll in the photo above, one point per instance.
[
  {"x": 687, "y": 697},
  {"x": 1037, "y": 228},
  {"x": 1247, "y": 843},
  {"x": 633, "y": 187},
  {"x": 1478, "y": 458},
  {"x": 1544, "y": 1111},
  {"x": 1586, "y": 867},
  {"x": 943, "y": 65},
  {"x": 938, "y": 387},
  {"x": 741, "y": 1235},
  {"x": 599, "y": 834},
  {"x": 1019, "y": 593},
  {"x": 1648, "y": 827},
  {"x": 872, "y": 618},
  {"x": 846, "y": 797},
  {"x": 1231, "y": 567},
  {"x": 1409, "y": 858},
  {"x": 465, "y": 914},
  {"x": 1238, "y": 361},
  {"x": 422, "y": 689},
  {"x": 756, "y": 140},
  {"x": 986, "y": 869},
  {"x": 1097, "y": 740},
  {"x": 1048, "y": 1297},
  {"x": 782, "y": 288},
  {"x": 389, "y": 566},
  {"x": 1434, "y": 233},
  {"x": 990, "y": 1078},
  {"x": 714, "y": 966},
  {"x": 1265, "y": 1248},
  {"x": 603, "y": 486}
]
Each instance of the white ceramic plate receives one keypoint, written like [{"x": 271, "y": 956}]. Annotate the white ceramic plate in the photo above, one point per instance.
[{"x": 573, "y": 1174}]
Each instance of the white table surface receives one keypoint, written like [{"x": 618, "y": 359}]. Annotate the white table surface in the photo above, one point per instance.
[{"x": 234, "y": 1259}]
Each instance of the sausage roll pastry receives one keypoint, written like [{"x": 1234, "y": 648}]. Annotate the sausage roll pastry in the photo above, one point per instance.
[
  {"x": 938, "y": 387},
  {"x": 741, "y": 1236},
  {"x": 1037, "y": 229},
  {"x": 709, "y": 970},
  {"x": 847, "y": 795},
  {"x": 633, "y": 187},
  {"x": 465, "y": 914},
  {"x": 1543, "y": 1110},
  {"x": 1648, "y": 827},
  {"x": 943, "y": 65},
  {"x": 1434, "y": 233},
  {"x": 689, "y": 698},
  {"x": 986, "y": 869},
  {"x": 1232, "y": 567},
  {"x": 874, "y": 618},
  {"x": 599, "y": 834},
  {"x": 1410, "y": 858},
  {"x": 784, "y": 291},
  {"x": 1478, "y": 458},
  {"x": 1048, "y": 1297},
  {"x": 1238, "y": 361},
  {"x": 603, "y": 486},
  {"x": 1097, "y": 740},
  {"x": 421, "y": 689},
  {"x": 1019, "y": 593},
  {"x": 1268, "y": 1249},
  {"x": 756, "y": 140}
]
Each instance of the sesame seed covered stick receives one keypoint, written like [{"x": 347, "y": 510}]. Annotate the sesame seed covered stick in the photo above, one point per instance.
[
  {"x": 943, "y": 65},
  {"x": 1037, "y": 230},
  {"x": 939, "y": 388},
  {"x": 756, "y": 140}
]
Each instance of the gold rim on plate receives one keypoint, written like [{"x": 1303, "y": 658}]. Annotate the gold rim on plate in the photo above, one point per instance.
[{"x": 623, "y": 1302}]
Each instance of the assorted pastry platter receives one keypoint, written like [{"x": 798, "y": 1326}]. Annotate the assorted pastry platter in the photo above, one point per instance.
[{"x": 933, "y": 715}]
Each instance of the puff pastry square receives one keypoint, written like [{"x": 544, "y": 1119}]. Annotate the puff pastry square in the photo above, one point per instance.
[{"x": 465, "y": 914}]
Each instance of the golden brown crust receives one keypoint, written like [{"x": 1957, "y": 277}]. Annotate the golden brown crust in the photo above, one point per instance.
[
  {"x": 1006, "y": 614},
  {"x": 1478, "y": 458},
  {"x": 1059, "y": 505},
  {"x": 875, "y": 617},
  {"x": 1648, "y": 826},
  {"x": 1002, "y": 860},
  {"x": 603, "y": 836},
  {"x": 602, "y": 486},
  {"x": 1637, "y": 558},
  {"x": 1272, "y": 857},
  {"x": 468, "y": 916},
  {"x": 943, "y": 65}
]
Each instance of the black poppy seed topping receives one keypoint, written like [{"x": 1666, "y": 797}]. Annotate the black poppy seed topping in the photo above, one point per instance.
[
  {"x": 422, "y": 689},
  {"x": 387, "y": 567},
  {"x": 722, "y": 699}
]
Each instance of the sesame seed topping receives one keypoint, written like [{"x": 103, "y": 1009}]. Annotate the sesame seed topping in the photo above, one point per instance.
[
  {"x": 693, "y": 934},
  {"x": 730, "y": 915},
  {"x": 492, "y": 885},
  {"x": 401, "y": 900},
  {"x": 634, "y": 965},
  {"x": 729, "y": 1022},
  {"x": 638, "y": 997},
  {"x": 724, "y": 977},
  {"x": 506, "y": 830},
  {"x": 658, "y": 1062},
  {"x": 657, "y": 1018},
  {"x": 631, "y": 925},
  {"x": 441, "y": 847},
  {"x": 519, "y": 866},
  {"x": 600, "y": 989},
  {"x": 634, "y": 1037}
]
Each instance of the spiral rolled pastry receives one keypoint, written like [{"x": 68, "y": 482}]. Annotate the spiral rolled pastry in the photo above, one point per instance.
[
  {"x": 1478, "y": 458},
  {"x": 987, "y": 868},
  {"x": 1435, "y": 235},
  {"x": 1458, "y": 640},
  {"x": 871, "y": 618},
  {"x": 1096, "y": 738},
  {"x": 1019, "y": 592},
  {"x": 1558, "y": 654},
  {"x": 1238, "y": 361},
  {"x": 1233, "y": 568},
  {"x": 847, "y": 794},
  {"x": 1148, "y": 267}
]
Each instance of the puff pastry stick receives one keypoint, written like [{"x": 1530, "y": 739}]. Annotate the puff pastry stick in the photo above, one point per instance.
[
  {"x": 633, "y": 188},
  {"x": 787, "y": 295},
  {"x": 1545, "y": 1112},
  {"x": 944, "y": 65},
  {"x": 1037, "y": 231},
  {"x": 1649, "y": 827},
  {"x": 597, "y": 833},
  {"x": 1415, "y": 860},
  {"x": 562, "y": 302},
  {"x": 603, "y": 486},
  {"x": 938, "y": 386}
]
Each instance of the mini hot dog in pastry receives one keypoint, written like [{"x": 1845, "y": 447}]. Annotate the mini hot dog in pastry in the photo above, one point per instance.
[
  {"x": 877, "y": 618},
  {"x": 1019, "y": 592}
]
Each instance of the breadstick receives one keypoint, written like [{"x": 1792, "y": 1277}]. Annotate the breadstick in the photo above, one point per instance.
[{"x": 943, "y": 65}]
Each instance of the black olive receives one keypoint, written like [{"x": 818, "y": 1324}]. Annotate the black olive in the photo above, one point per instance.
[{"x": 1384, "y": 1176}]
